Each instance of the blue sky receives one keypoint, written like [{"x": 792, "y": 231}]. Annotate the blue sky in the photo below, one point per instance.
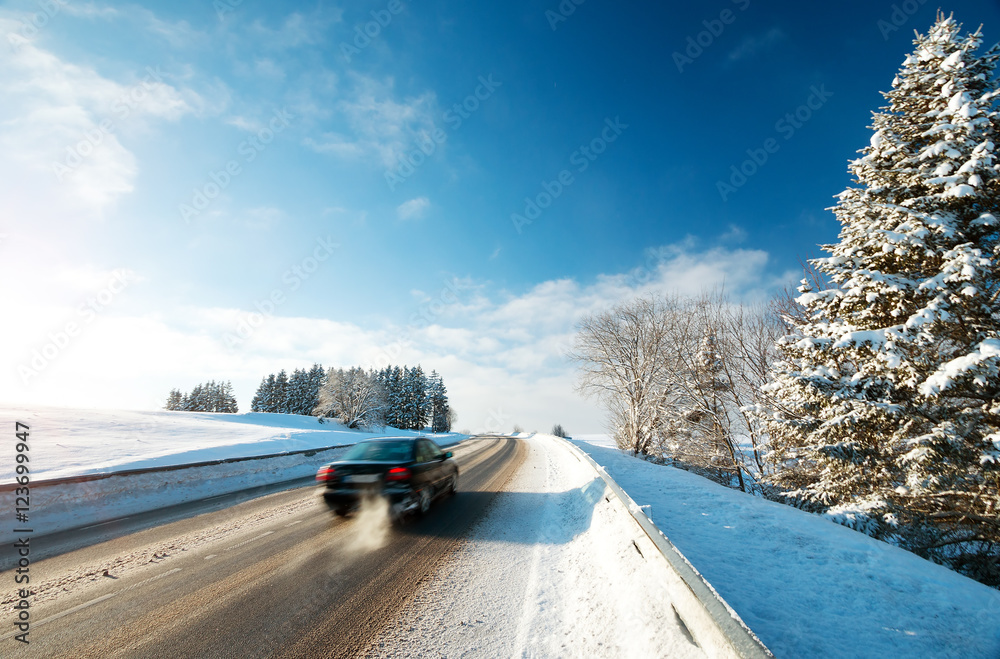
[{"x": 119, "y": 122}]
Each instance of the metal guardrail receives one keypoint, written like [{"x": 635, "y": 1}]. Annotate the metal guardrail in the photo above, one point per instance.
[
  {"x": 9, "y": 487},
  {"x": 738, "y": 639}
]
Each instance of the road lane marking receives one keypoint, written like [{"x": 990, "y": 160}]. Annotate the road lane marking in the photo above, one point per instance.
[
  {"x": 68, "y": 611},
  {"x": 146, "y": 581},
  {"x": 298, "y": 521},
  {"x": 96, "y": 600},
  {"x": 210, "y": 556},
  {"x": 246, "y": 542},
  {"x": 110, "y": 521}
]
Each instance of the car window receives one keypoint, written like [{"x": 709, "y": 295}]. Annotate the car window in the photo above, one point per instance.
[
  {"x": 436, "y": 453},
  {"x": 380, "y": 451},
  {"x": 424, "y": 452}
]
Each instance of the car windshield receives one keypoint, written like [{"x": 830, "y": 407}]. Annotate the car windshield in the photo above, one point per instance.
[{"x": 400, "y": 451}]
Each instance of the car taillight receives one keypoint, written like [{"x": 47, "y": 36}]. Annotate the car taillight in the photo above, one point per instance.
[
  {"x": 397, "y": 474},
  {"x": 325, "y": 474}
]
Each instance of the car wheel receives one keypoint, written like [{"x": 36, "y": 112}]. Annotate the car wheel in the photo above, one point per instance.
[
  {"x": 342, "y": 512},
  {"x": 424, "y": 501},
  {"x": 452, "y": 485}
]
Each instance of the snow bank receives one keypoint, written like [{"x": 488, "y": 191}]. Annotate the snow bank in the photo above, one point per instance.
[
  {"x": 806, "y": 586},
  {"x": 714, "y": 624},
  {"x": 74, "y": 505}
]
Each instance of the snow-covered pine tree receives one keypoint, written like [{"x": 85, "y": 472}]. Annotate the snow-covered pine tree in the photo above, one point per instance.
[
  {"x": 405, "y": 400},
  {"x": 174, "y": 400},
  {"x": 228, "y": 400},
  {"x": 315, "y": 379},
  {"x": 268, "y": 397},
  {"x": 888, "y": 393},
  {"x": 257, "y": 403},
  {"x": 294, "y": 398},
  {"x": 438, "y": 395},
  {"x": 419, "y": 401},
  {"x": 211, "y": 397},
  {"x": 394, "y": 414},
  {"x": 279, "y": 396},
  {"x": 415, "y": 392},
  {"x": 199, "y": 398}
]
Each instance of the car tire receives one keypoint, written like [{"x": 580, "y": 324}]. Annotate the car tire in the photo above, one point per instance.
[
  {"x": 342, "y": 512},
  {"x": 452, "y": 486}
]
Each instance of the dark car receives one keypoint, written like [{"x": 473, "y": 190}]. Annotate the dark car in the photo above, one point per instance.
[{"x": 409, "y": 471}]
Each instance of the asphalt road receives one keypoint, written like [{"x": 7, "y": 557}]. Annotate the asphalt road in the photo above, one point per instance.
[{"x": 278, "y": 576}]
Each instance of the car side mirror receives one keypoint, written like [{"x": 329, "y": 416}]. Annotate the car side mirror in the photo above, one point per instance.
[{"x": 447, "y": 455}]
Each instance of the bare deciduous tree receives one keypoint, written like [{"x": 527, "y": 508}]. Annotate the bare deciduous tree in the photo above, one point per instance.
[
  {"x": 681, "y": 377},
  {"x": 354, "y": 395},
  {"x": 625, "y": 358}
]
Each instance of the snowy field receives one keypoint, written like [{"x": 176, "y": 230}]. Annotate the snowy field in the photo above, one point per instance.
[
  {"x": 551, "y": 571},
  {"x": 70, "y": 442},
  {"x": 806, "y": 586}
]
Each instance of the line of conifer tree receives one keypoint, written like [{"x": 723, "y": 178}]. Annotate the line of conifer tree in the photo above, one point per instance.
[
  {"x": 406, "y": 398},
  {"x": 284, "y": 394},
  {"x": 208, "y": 397}
]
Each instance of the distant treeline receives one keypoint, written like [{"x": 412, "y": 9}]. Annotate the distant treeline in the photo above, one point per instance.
[
  {"x": 298, "y": 394},
  {"x": 401, "y": 397},
  {"x": 209, "y": 397}
]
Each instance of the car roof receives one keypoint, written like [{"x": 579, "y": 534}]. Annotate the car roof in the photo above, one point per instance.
[{"x": 392, "y": 439}]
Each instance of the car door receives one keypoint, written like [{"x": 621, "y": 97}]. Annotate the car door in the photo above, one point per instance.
[
  {"x": 437, "y": 459},
  {"x": 423, "y": 471}
]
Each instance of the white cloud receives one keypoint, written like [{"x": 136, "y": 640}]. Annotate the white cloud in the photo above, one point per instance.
[
  {"x": 735, "y": 234},
  {"x": 378, "y": 126},
  {"x": 500, "y": 354},
  {"x": 62, "y": 128},
  {"x": 89, "y": 10},
  {"x": 413, "y": 209},
  {"x": 296, "y": 30},
  {"x": 267, "y": 68}
]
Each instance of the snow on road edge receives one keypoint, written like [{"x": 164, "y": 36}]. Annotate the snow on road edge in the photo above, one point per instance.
[{"x": 807, "y": 586}]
